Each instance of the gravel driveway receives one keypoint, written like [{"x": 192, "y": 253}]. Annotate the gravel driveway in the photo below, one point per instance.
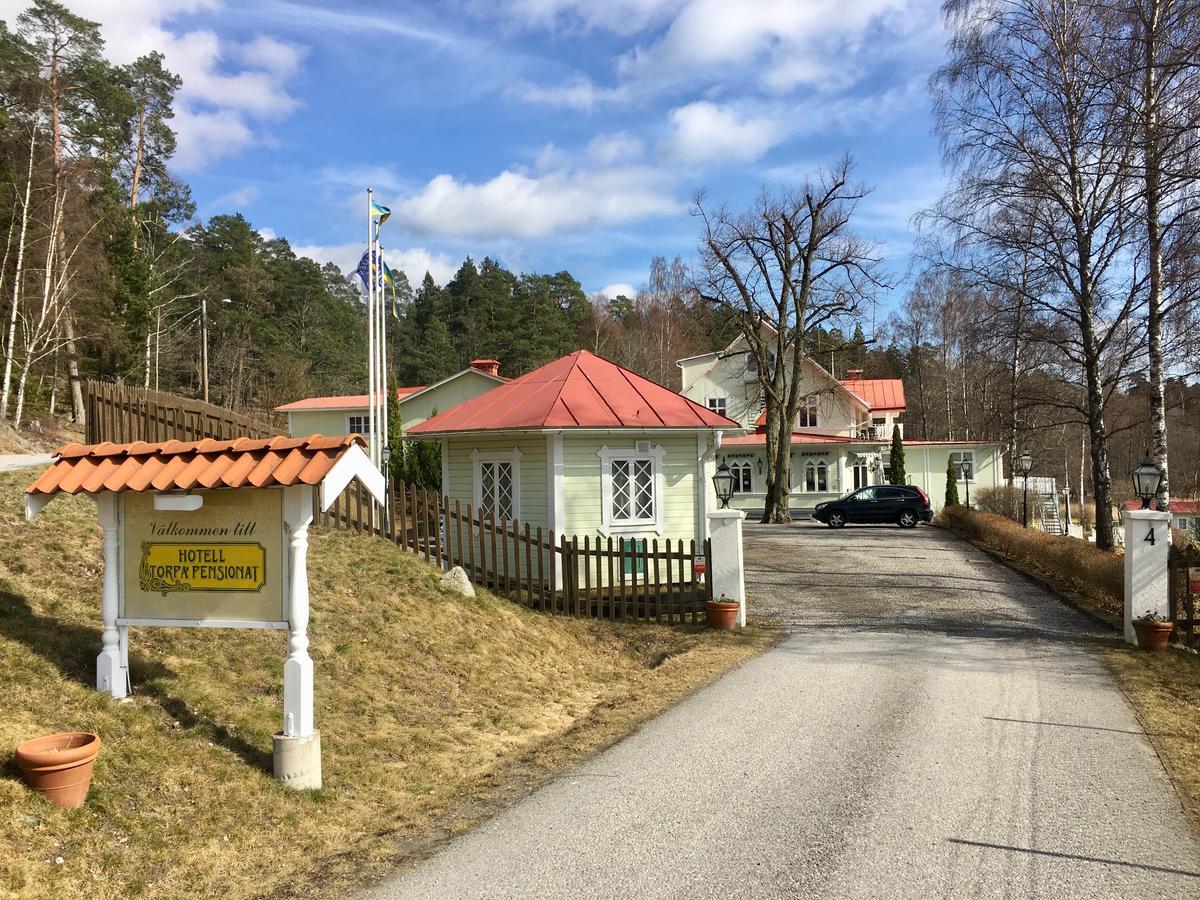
[{"x": 932, "y": 726}]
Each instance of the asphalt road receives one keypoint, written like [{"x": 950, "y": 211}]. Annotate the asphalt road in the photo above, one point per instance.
[
  {"x": 12, "y": 461},
  {"x": 932, "y": 727}
]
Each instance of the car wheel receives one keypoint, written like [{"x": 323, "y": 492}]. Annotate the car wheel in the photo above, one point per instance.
[
  {"x": 908, "y": 519},
  {"x": 836, "y": 520}
]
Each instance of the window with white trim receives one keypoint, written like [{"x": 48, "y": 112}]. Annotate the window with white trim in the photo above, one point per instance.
[
  {"x": 358, "y": 424},
  {"x": 816, "y": 476},
  {"x": 807, "y": 416},
  {"x": 961, "y": 456},
  {"x": 498, "y": 484},
  {"x": 632, "y": 486},
  {"x": 632, "y": 490},
  {"x": 742, "y": 483},
  {"x": 717, "y": 405}
]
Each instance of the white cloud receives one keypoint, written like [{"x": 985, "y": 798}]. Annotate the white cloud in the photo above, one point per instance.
[
  {"x": 616, "y": 290},
  {"x": 229, "y": 88},
  {"x": 704, "y": 132},
  {"x": 414, "y": 262},
  {"x": 238, "y": 197},
  {"x": 778, "y": 44},
  {"x": 515, "y": 204},
  {"x": 609, "y": 149}
]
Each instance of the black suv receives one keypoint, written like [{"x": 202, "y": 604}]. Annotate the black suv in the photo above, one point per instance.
[{"x": 905, "y": 505}]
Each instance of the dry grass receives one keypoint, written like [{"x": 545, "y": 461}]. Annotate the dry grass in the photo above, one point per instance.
[
  {"x": 1165, "y": 690},
  {"x": 427, "y": 703},
  {"x": 1079, "y": 567}
]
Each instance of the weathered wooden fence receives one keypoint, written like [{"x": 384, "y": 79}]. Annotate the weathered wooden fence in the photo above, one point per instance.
[
  {"x": 605, "y": 578},
  {"x": 122, "y": 413},
  {"x": 1182, "y": 609}
]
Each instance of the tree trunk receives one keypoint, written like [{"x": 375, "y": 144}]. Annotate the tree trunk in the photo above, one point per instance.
[
  {"x": 10, "y": 347},
  {"x": 1101, "y": 479}
]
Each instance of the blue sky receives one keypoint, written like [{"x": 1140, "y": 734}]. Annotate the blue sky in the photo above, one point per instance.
[{"x": 551, "y": 134}]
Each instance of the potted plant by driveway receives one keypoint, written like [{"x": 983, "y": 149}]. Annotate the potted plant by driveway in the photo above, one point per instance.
[
  {"x": 59, "y": 766},
  {"x": 722, "y": 612},
  {"x": 1153, "y": 630}
]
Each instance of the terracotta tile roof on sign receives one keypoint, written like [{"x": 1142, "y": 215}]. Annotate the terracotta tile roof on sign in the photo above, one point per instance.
[
  {"x": 581, "y": 390},
  {"x": 190, "y": 465}
]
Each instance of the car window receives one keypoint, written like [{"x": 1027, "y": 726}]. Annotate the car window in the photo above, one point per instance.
[
  {"x": 892, "y": 494},
  {"x": 864, "y": 494}
]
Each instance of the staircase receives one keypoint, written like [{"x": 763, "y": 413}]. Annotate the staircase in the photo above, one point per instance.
[{"x": 1050, "y": 520}]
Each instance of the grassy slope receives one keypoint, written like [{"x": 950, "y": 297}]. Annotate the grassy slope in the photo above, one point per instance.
[{"x": 425, "y": 702}]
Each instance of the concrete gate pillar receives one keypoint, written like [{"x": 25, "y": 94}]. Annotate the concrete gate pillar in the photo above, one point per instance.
[
  {"x": 728, "y": 575},
  {"x": 1147, "y": 549}
]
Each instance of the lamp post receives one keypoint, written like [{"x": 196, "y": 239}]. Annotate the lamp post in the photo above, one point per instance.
[
  {"x": 964, "y": 467},
  {"x": 204, "y": 344},
  {"x": 723, "y": 484},
  {"x": 1147, "y": 478},
  {"x": 386, "y": 456},
  {"x": 1024, "y": 463}
]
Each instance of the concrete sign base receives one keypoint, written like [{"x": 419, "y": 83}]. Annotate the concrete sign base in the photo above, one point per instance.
[{"x": 297, "y": 760}]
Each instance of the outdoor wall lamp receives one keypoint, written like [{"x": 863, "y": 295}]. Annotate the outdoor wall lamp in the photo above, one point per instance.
[
  {"x": 1147, "y": 479},
  {"x": 723, "y": 484}
]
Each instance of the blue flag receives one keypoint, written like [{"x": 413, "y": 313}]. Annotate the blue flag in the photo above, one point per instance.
[{"x": 364, "y": 268}]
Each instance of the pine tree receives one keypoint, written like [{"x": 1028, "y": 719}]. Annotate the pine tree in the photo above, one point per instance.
[
  {"x": 951, "y": 483},
  {"x": 896, "y": 467},
  {"x": 436, "y": 357}
]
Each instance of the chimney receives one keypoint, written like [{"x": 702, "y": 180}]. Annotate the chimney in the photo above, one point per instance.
[
  {"x": 487, "y": 366},
  {"x": 851, "y": 374}
]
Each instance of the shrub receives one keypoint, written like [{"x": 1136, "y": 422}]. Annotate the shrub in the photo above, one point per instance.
[
  {"x": 896, "y": 459},
  {"x": 1098, "y": 575},
  {"x": 951, "y": 484},
  {"x": 1004, "y": 500}
]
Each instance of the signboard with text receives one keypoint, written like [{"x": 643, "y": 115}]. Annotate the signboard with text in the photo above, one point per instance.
[{"x": 223, "y": 562}]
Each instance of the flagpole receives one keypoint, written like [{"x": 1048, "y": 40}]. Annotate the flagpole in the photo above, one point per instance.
[
  {"x": 383, "y": 366},
  {"x": 370, "y": 337}
]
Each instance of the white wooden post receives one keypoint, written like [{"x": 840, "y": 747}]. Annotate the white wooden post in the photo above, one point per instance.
[
  {"x": 728, "y": 576},
  {"x": 110, "y": 671},
  {"x": 298, "y": 670},
  {"x": 1147, "y": 549},
  {"x": 297, "y": 755}
]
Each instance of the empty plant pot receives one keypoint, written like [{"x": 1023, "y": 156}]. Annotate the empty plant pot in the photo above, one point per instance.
[
  {"x": 1153, "y": 635},
  {"x": 722, "y": 613},
  {"x": 59, "y": 766}
]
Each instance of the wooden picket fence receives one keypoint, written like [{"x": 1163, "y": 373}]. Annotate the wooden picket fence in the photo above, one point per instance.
[
  {"x": 122, "y": 414},
  {"x": 1182, "y": 602},
  {"x": 603, "y": 578}
]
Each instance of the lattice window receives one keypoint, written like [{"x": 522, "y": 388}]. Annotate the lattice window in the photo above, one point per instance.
[
  {"x": 633, "y": 490},
  {"x": 816, "y": 476},
  {"x": 496, "y": 489},
  {"x": 358, "y": 424}
]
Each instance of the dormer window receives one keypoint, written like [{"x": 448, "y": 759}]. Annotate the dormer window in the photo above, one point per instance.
[
  {"x": 807, "y": 416},
  {"x": 752, "y": 364}
]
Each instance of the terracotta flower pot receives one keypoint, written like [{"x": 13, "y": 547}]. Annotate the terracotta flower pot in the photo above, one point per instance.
[
  {"x": 59, "y": 766},
  {"x": 1153, "y": 635},
  {"x": 722, "y": 613}
]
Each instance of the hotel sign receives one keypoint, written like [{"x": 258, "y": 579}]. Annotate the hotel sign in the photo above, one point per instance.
[{"x": 221, "y": 563}]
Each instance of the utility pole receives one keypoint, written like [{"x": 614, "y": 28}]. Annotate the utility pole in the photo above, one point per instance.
[{"x": 204, "y": 347}]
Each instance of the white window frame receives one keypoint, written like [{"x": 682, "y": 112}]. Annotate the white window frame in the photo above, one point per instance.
[
  {"x": 809, "y": 411},
  {"x": 743, "y": 477},
  {"x": 366, "y": 423},
  {"x": 964, "y": 454},
  {"x": 816, "y": 467},
  {"x": 512, "y": 457},
  {"x": 719, "y": 405},
  {"x": 609, "y": 525}
]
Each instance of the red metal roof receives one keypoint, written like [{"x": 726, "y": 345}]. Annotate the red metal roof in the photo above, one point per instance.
[
  {"x": 880, "y": 394},
  {"x": 581, "y": 390},
  {"x": 759, "y": 439},
  {"x": 342, "y": 401},
  {"x": 188, "y": 465},
  {"x": 1184, "y": 507}
]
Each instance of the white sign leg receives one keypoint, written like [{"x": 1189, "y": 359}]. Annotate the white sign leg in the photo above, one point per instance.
[
  {"x": 1147, "y": 549},
  {"x": 298, "y": 746},
  {"x": 110, "y": 672}
]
